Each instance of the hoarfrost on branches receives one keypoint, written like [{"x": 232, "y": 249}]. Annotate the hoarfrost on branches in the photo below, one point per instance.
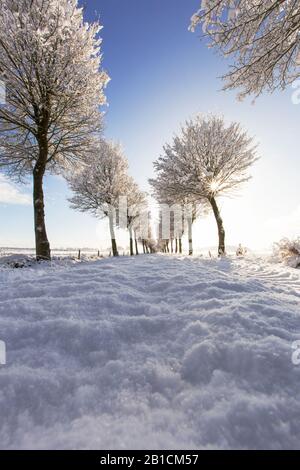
[
  {"x": 288, "y": 251},
  {"x": 261, "y": 36},
  {"x": 208, "y": 160},
  {"x": 101, "y": 183},
  {"x": 50, "y": 62}
]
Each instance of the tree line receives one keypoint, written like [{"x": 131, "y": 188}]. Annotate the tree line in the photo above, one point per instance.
[{"x": 52, "y": 118}]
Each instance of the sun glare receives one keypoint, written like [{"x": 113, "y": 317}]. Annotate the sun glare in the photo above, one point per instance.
[{"x": 214, "y": 186}]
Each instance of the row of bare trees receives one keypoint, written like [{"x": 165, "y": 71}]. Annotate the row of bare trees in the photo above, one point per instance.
[
  {"x": 51, "y": 121},
  {"x": 103, "y": 187},
  {"x": 51, "y": 65}
]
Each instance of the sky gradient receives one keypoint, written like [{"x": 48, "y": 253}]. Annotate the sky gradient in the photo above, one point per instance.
[{"x": 161, "y": 75}]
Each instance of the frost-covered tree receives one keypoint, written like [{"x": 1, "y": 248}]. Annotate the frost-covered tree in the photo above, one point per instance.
[
  {"x": 262, "y": 36},
  {"x": 180, "y": 208},
  {"x": 50, "y": 62},
  {"x": 168, "y": 220},
  {"x": 136, "y": 206},
  {"x": 100, "y": 184},
  {"x": 208, "y": 160}
]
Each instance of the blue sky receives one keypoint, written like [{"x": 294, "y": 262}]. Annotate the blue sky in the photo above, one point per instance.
[{"x": 161, "y": 74}]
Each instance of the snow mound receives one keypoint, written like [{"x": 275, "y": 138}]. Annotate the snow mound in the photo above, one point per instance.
[
  {"x": 16, "y": 261},
  {"x": 150, "y": 352}
]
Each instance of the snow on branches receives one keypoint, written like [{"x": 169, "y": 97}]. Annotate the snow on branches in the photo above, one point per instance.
[
  {"x": 288, "y": 251},
  {"x": 101, "y": 181},
  {"x": 208, "y": 159},
  {"x": 50, "y": 62},
  {"x": 104, "y": 188},
  {"x": 262, "y": 37}
]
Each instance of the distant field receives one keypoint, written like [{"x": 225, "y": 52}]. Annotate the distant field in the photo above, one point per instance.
[
  {"x": 91, "y": 252},
  {"x": 59, "y": 252}
]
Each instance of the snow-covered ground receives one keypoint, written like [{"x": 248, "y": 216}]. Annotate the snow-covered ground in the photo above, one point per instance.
[
  {"x": 150, "y": 352},
  {"x": 57, "y": 253}
]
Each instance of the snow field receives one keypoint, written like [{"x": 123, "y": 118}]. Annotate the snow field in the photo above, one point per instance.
[{"x": 150, "y": 352}]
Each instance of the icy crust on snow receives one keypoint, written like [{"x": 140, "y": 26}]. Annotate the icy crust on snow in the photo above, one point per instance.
[{"x": 150, "y": 352}]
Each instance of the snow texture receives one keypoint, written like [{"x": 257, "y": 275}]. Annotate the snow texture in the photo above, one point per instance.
[{"x": 150, "y": 352}]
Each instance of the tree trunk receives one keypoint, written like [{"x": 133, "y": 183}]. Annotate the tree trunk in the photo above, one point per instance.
[
  {"x": 42, "y": 245},
  {"x": 113, "y": 237},
  {"x": 190, "y": 235},
  {"x": 131, "y": 241},
  {"x": 136, "y": 245},
  {"x": 176, "y": 245},
  {"x": 180, "y": 245},
  {"x": 220, "y": 225}
]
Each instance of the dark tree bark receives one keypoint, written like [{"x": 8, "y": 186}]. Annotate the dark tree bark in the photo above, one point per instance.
[
  {"x": 176, "y": 246},
  {"x": 113, "y": 237},
  {"x": 131, "y": 241},
  {"x": 42, "y": 245},
  {"x": 221, "y": 230},
  {"x": 180, "y": 245},
  {"x": 190, "y": 236},
  {"x": 136, "y": 245}
]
